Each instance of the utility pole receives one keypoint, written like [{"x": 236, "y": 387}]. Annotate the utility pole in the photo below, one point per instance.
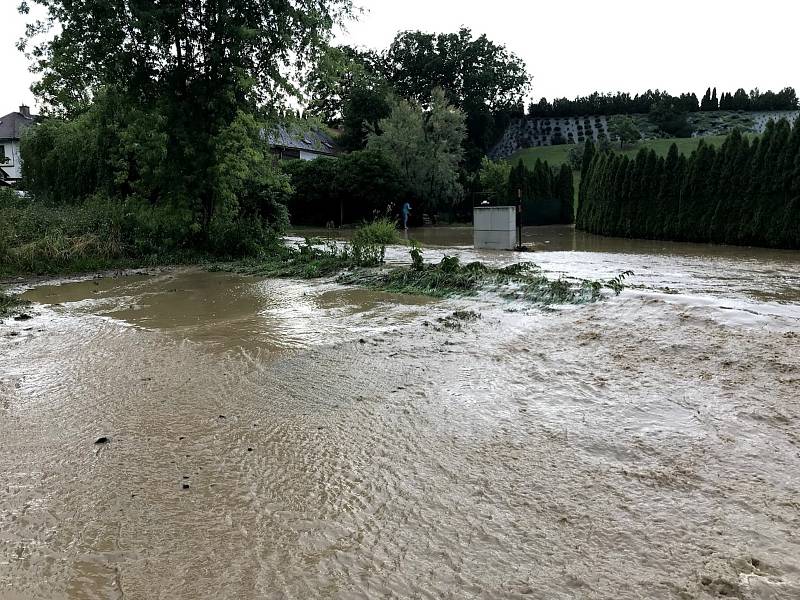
[{"x": 519, "y": 218}]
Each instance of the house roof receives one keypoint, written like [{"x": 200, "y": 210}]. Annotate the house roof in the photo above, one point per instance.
[
  {"x": 311, "y": 140},
  {"x": 13, "y": 124}
]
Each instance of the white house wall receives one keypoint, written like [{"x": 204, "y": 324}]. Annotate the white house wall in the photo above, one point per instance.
[
  {"x": 14, "y": 166},
  {"x": 308, "y": 155}
]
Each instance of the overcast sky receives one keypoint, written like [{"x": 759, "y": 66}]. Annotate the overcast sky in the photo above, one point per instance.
[{"x": 571, "y": 47}]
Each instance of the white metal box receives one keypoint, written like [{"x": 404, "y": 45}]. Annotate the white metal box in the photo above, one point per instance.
[{"x": 495, "y": 227}]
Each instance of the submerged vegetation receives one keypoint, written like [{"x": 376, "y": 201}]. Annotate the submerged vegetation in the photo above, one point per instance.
[
  {"x": 323, "y": 258},
  {"x": 10, "y": 305},
  {"x": 521, "y": 281},
  {"x": 361, "y": 263}
]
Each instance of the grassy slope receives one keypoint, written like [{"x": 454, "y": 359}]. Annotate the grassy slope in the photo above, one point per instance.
[{"x": 555, "y": 155}]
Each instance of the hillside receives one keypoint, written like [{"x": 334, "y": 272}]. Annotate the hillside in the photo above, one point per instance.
[
  {"x": 556, "y": 155},
  {"x": 533, "y": 132}
]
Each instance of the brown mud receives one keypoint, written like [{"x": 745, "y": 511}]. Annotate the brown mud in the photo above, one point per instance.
[{"x": 281, "y": 439}]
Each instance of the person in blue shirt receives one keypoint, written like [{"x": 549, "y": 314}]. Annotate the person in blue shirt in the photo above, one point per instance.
[{"x": 406, "y": 211}]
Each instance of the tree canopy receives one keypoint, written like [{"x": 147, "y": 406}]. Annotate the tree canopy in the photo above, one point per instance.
[
  {"x": 625, "y": 130},
  {"x": 482, "y": 78},
  {"x": 191, "y": 80},
  {"x": 474, "y": 72},
  {"x": 244, "y": 50},
  {"x": 623, "y": 103},
  {"x": 425, "y": 146}
]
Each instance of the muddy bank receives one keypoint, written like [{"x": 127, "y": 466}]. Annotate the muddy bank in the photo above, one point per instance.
[{"x": 641, "y": 447}]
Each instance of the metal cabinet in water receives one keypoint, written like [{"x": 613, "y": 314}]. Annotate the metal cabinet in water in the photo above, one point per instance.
[{"x": 495, "y": 227}]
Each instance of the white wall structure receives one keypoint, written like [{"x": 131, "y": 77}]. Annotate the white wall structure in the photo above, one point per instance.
[
  {"x": 495, "y": 227},
  {"x": 306, "y": 155},
  {"x": 11, "y": 127},
  {"x": 13, "y": 164}
]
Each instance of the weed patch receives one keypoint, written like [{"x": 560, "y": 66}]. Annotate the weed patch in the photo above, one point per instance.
[
  {"x": 11, "y": 305},
  {"x": 355, "y": 264}
]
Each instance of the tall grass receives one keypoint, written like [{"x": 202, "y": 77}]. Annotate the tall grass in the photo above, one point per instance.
[
  {"x": 96, "y": 234},
  {"x": 316, "y": 258}
]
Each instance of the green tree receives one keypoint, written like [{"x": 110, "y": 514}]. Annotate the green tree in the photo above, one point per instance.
[
  {"x": 589, "y": 153},
  {"x": 425, "y": 145},
  {"x": 364, "y": 108},
  {"x": 566, "y": 194},
  {"x": 347, "y": 89},
  {"x": 625, "y": 130},
  {"x": 351, "y": 188},
  {"x": 482, "y": 78},
  {"x": 331, "y": 79},
  {"x": 519, "y": 183},
  {"x": 741, "y": 192},
  {"x": 494, "y": 177},
  {"x": 197, "y": 67},
  {"x": 705, "y": 103},
  {"x": 670, "y": 118}
]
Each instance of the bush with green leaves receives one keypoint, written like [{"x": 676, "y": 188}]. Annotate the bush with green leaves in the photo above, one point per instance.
[
  {"x": 355, "y": 187},
  {"x": 100, "y": 232},
  {"x": 381, "y": 231},
  {"x": 493, "y": 178},
  {"x": 109, "y": 160}
]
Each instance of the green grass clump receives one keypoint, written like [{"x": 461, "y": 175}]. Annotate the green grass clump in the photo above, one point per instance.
[
  {"x": 316, "y": 258},
  {"x": 382, "y": 232},
  {"x": 11, "y": 305},
  {"x": 307, "y": 261}
]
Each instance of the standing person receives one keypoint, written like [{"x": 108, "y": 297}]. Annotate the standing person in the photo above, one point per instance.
[{"x": 406, "y": 211}]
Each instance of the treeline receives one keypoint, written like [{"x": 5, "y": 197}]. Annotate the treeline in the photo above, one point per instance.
[
  {"x": 356, "y": 187},
  {"x": 786, "y": 99},
  {"x": 746, "y": 192},
  {"x": 414, "y": 157},
  {"x": 623, "y": 103},
  {"x": 352, "y": 89},
  {"x": 547, "y": 193}
]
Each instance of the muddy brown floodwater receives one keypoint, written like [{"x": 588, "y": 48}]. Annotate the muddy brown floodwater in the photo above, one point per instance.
[{"x": 283, "y": 439}]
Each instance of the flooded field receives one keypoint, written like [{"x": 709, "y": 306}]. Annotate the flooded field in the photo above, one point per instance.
[{"x": 285, "y": 439}]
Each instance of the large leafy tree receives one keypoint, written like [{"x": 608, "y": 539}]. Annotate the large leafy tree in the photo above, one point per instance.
[
  {"x": 482, "y": 78},
  {"x": 472, "y": 71},
  {"x": 198, "y": 66},
  {"x": 247, "y": 50},
  {"x": 625, "y": 130},
  {"x": 338, "y": 70},
  {"x": 425, "y": 146},
  {"x": 347, "y": 89},
  {"x": 350, "y": 86}
]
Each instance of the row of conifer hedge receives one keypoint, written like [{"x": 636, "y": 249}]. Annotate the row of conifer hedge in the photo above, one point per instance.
[{"x": 745, "y": 192}]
